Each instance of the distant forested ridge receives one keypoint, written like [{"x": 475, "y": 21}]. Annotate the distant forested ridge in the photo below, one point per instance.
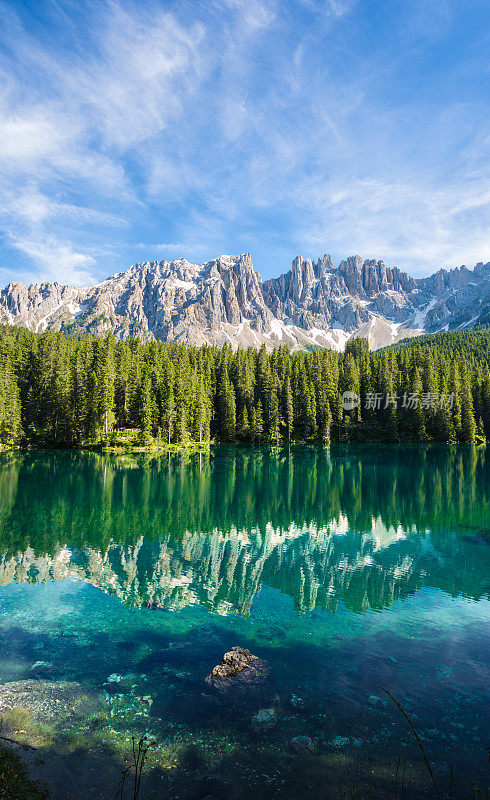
[{"x": 64, "y": 391}]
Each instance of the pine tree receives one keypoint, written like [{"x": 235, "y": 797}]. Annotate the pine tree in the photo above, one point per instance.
[
  {"x": 226, "y": 405},
  {"x": 288, "y": 407},
  {"x": 455, "y": 392},
  {"x": 274, "y": 415},
  {"x": 169, "y": 417},
  {"x": 10, "y": 406},
  {"x": 245, "y": 427},
  {"x": 416, "y": 414},
  {"x": 326, "y": 423},
  {"x": 468, "y": 424},
  {"x": 146, "y": 413},
  {"x": 257, "y": 423},
  {"x": 480, "y": 432},
  {"x": 389, "y": 399},
  {"x": 201, "y": 414},
  {"x": 183, "y": 426},
  {"x": 105, "y": 378},
  {"x": 351, "y": 381}
]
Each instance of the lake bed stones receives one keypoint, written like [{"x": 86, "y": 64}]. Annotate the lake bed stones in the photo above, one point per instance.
[{"x": 49, "y": 701}]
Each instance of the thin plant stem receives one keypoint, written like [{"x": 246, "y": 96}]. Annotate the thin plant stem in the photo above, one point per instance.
[{"x": 417, "y": 738}]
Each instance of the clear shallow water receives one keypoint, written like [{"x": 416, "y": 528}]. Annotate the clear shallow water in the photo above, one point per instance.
[{"x": 348, "y": 571}]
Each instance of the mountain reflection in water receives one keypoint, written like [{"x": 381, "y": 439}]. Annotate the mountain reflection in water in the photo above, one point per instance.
[{"x": 360, "y": 526}]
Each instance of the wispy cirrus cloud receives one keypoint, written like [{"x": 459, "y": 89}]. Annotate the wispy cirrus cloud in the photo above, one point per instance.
[
  {"x": 307, "y": 125},
  {"x": 70, "y": 117},
  {"x": 406, "y": 222},
  {"x": 55, "y": 259}
]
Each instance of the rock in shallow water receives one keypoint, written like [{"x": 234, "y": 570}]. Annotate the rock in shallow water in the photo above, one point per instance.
[
  {"x": 49, "y": 701},
  {"x": 297, "y": 702},
  {"x": 241, "y": 677},
  {"x": 235, "y": 661},
  {"x": 264, "y": 720},
  {"x": 302, "y": 744}
]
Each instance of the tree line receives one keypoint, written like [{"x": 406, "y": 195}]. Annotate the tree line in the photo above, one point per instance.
[{"x": 68, "y": 391}]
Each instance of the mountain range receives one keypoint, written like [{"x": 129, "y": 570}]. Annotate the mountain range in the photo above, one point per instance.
[{"x": 225, "y": 300}]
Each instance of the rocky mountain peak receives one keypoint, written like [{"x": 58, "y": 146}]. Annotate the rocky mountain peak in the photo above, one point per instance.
[{"x": 225, "y": 301}]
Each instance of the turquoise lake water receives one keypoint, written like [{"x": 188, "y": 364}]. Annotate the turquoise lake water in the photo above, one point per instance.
[{"x": 350, "y": 571}]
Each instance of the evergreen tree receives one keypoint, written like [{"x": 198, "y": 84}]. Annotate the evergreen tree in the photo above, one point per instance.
[
  {"x": 468, "y": 424},
  {"x": 201, "y": 412},
  {"x": 146, "y": 409},
  {"x": 274, "y": 415},
  {"x": 257, "y": 423},
  {"x": 245, "y": 427},
  {"x": 288, "y": 407},
  {"x": 226, "y": 406},
  {"x": 416, "y": 413},
  {"x": 169, "y": 417}
]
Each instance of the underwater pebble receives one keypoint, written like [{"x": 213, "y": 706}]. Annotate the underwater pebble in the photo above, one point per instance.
[
  {"x": 297, "y": 702},
  {"x": 264, "y": 720},
  {"x": 339, "y": 741},
  {"x": 114, "y": 678},
  {"x": 373, "y": 699},
  {"x": 301, "y": 744}
]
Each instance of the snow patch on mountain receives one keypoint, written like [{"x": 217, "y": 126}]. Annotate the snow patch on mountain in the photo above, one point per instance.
[{"x": 225, "y": 301}]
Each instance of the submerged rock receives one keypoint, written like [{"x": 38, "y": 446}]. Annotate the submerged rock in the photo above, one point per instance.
[
  {"x": 302, "y": 744},
  {"x": 339, "y": 741},
  {"x": 153, "y": 605},
  {"x": 374, "y": 700},
  {"x": 238, "y": 667},
  {"x": 297, "y": 702},
  {"x": 115, "y": 678},
  {"x": 41, "y": 669},
  {"x": 264, "y": 720}
]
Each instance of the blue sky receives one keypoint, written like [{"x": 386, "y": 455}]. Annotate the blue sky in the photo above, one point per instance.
[{"x": 150, "y": 130}]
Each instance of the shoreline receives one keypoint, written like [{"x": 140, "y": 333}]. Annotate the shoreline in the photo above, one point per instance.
[{"x": 206, "y": 447}]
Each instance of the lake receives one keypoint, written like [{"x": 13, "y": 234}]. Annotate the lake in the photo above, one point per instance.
[{"x": 124, "y": 580}]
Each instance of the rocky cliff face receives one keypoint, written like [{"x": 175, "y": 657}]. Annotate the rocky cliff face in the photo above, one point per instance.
[
  {"x": 317, "y": 295},
  {"x": 225, "y": 301}
]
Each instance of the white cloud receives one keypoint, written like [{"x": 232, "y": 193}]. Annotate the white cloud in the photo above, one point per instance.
[
  {"x": 253, "y": 14},
  {"x": 34, "y": 208},
  {"x": 416, "y": 226},
  {"x": 180, "y": 248},
  {"x": 54, "y": 259},
  {"x": 68, "y": 115},
  {"x": 214, "y": 120}
]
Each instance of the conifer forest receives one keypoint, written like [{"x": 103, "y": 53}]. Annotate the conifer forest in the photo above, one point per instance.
[{"x": 62, "y": 391}]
